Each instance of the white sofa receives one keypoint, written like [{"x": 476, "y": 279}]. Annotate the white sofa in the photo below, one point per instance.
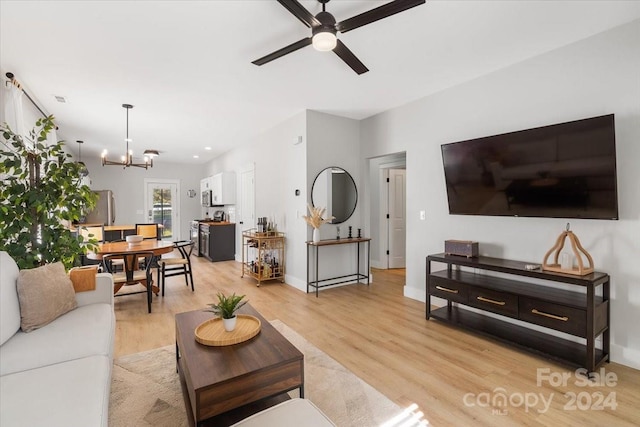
[{"x": 60, "y": 374}]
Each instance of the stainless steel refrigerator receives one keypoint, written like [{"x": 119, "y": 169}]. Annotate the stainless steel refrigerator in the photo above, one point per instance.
[{"x": 105, "y": 210}]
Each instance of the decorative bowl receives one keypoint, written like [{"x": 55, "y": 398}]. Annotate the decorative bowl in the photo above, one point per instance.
[{"x": 136, "y": 238}]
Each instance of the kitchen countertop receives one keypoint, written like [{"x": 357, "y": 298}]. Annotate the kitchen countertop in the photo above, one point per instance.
[
  {"x": 124, "y": 227},
  {"x": 212, "y": 222}
]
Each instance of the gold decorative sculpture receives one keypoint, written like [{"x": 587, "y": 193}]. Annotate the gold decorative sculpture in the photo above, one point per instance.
[{"x": 578, "y": 251}]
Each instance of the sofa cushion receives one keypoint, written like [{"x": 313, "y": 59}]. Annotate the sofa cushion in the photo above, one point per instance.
[
  {"x": 86, "y": 331},
  {"x": 68, "y": 394},
  {"x": 9, "y": 305},
  {"x": 44, "y": 293}
]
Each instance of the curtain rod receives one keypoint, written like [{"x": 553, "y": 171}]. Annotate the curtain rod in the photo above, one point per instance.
[{"x": 17, "y": 84}]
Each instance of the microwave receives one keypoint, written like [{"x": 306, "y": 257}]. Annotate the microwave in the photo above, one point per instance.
[{"x": 206, "y": 198}]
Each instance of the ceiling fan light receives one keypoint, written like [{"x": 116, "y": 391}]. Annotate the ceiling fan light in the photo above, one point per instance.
[{"x": 324, "y": 41}]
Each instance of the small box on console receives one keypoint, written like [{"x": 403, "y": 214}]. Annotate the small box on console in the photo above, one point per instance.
[{"x": 461, "y": 248}]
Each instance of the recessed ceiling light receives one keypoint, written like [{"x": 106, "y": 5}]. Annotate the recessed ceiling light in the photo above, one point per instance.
[
  {"x": 195, "y": 156},
  {"x": 207, "y": 148}
]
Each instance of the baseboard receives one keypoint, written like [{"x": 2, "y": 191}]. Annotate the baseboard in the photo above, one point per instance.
[
  {"x": 378, "y": 264},
  {"x": 625, "y": 356},
  {"x": 294, "y": 282},
  {"x": 414, "y": 293}
]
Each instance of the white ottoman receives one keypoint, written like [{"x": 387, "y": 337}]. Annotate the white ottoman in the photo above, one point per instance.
[{"x": 292, "y": 413}]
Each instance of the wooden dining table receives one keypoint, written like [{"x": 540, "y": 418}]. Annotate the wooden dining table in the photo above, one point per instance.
[{"x": 157, "y": 247}]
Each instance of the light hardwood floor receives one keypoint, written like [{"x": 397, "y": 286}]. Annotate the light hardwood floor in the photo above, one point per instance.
[{"x": 385, "y": 339}]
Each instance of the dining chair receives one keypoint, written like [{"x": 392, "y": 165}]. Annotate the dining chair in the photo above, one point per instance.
[
  {"x": 178, "y": 266},
  {"x": 85, "y": 233},
  {"x": 137, "y": 270},
  {"x": 91, "y": 232},
  {"x": 148, "y": 231}
]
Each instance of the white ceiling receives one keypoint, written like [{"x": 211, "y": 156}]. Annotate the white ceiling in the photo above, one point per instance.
[{"x": 186, "y": 65}]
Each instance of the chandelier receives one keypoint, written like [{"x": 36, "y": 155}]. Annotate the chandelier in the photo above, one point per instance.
[{"x": 127, "y": 160}]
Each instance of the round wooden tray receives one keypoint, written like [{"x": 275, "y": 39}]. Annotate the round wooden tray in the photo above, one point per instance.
[{"x": 212, "y": 332}]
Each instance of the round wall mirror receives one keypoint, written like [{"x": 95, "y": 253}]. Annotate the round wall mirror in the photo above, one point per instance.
[{"x": 335, "y": 190}]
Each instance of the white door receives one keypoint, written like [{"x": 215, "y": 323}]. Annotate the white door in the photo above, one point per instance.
[
  {"x": 397, "y": 218},
  {"x": 247, "y": 199},
  {"x": 162, "y": 206}
]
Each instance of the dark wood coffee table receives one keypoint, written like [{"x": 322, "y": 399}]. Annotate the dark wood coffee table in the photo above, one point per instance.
[{"x": 241, "y": 378}]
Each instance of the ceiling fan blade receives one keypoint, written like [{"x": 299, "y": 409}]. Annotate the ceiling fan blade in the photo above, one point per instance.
[
  {"x": 347, "y": 56},
  {"x": 376, "y": 14},
  {"x": 282, "y": 52},
  {"x": 300, "y": 12}
]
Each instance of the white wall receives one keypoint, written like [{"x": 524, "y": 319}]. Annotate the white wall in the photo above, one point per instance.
[
  {"x": 335, "y": 141},
  {"x": 279, "y": 171},
  {"x": 129, "y": 192},
  {"x": 596, "y": 76},
  {"x": 282, "y": 166}
]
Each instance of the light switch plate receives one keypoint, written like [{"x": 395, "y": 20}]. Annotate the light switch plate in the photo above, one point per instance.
[{"x": 423, "y": 215}]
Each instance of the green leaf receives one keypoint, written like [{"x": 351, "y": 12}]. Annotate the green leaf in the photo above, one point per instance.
[{"x": 27, "y": 204}]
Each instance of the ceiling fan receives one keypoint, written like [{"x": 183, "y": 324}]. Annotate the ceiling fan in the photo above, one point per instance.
[{"x": 324, "y": 29}]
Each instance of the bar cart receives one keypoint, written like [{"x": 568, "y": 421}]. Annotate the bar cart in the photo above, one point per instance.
[{"x": 263, "y": 255}]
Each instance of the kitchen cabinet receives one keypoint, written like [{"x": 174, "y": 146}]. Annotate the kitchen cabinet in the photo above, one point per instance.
[
  {"x": 217, "y": 241},
  {"x": 223, "y": 188},
  {"x": 205, "y": 184}
]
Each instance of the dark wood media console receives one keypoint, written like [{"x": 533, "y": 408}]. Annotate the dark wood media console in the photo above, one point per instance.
[{"x": 581, "y": 314}]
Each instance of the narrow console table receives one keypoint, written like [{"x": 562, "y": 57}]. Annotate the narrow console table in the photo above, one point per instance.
[
  {"x": 574, "y": 312},
  {"x": 357, "y": 276}
]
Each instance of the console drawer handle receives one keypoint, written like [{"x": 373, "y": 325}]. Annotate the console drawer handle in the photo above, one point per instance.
[
  {"x": 453, "y": 291},
  {"x": 553, "y": 316},
  {"x": 492, "y": 301}
]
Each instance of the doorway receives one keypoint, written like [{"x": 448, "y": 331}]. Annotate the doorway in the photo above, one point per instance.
[
  {"x": 387, "y": 211},
  {"x": 162, "y": 206},
  {"x": 397, "y": 218}
]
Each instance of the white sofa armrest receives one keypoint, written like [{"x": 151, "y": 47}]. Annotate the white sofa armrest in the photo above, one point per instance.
[{"x": 102, "y": 294}]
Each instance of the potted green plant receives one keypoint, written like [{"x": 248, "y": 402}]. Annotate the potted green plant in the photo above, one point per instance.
[
  {"x": 226, "y": 308},
  {"x": 41, "y": 194}
]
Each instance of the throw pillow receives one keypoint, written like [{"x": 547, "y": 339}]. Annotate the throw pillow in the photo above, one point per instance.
[{"x": 45, "y": 293}]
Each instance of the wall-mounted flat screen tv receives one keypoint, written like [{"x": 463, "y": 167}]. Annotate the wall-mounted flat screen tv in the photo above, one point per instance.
[{"x": 565, "y": 170}]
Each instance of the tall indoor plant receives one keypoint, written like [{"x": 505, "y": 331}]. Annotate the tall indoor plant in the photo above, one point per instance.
[{"x": 41, "y": 193}]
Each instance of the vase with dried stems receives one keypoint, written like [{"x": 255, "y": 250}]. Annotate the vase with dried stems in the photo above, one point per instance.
[{"x": 315, "y": 220}]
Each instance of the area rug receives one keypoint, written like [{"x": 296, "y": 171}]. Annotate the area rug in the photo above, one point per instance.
[{"x": 145, "y": 390}]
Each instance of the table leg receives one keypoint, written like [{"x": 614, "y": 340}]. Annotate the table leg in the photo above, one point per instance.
[
  {"x": 307, "y": 268},
  {"x": 368, "y": 260},
  {"x": 317, "y": 250},
  {"x": 358, "y": 263},
  {"x": 177, "y": 356}
]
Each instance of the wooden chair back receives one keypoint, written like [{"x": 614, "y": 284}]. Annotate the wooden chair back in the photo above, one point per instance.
[
  {"x": 91, "y": 232},
  {"x": 148, "y": 231}
]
